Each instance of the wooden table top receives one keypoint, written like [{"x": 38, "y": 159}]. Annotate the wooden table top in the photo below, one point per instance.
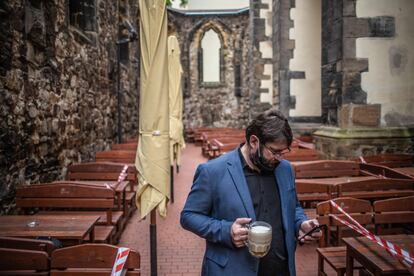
[
  {"x": 334, "y": 180},
  {"x": 371, "y": 255},
  {"x": 65, "y": 227},
  {"x": 405, "y": 170}
]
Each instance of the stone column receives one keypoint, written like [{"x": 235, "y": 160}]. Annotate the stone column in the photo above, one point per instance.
[{"x": 352, "y": 127}]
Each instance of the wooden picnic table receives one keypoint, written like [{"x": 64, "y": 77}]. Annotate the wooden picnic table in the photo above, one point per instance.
[
  {"x": 374, "y": 258},
  {"x": 62, "y": 227}
]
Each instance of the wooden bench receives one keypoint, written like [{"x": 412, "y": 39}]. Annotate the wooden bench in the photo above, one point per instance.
[
  {"x": 101, "y": 171},
  {"x": 23, "y": 262},
  {"x": 91, "y": 259},
  {"x": 108, "y": 171},
  {"x": 336, "y": 258},
  {"x": 207, "y": 138},
  {"x": 219, "y": 146},
  {"x": 22, "y": 259},
  {"x": 125, "y": 146},
  {"x": 198, "y": 132},
  {"x": 373, "y": 189},
  {"x": 389, "y": 160},
  {"x": 385, "y": 172},
  {"x": 300, "y": 154},
  {"x": 360, "y": 210},
  {"x": 390, "y": 212},
  {"x": 310, "y": 193},
  {"x": 327, "y": 168},
  {"x": 117, "y": 156},
  {"x": 27, "y": 244},
  {"x": 64, "y": 196}
]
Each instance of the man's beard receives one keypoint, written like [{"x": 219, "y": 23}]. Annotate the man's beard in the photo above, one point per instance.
[{"x": 261, "y": 163}]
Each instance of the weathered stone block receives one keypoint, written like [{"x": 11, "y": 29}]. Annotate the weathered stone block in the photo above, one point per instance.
[
  {"x": 351, "y": 115},
  {"x": 382, "y": 26},
  {"x": 352, "y": 91},
  {"x": 343, "y": 143},
  {"x": 349, "y": 8},
  {"x": 356, "y": 27},
  {"x": 349, "y": 48},
  {"x": 354, "y": 65}
]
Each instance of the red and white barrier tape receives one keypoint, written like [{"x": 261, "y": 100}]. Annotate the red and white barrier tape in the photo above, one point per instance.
[
  {"x": 123, "y": 174},
  {"x": 120, "y": 260},
  {"x": 401, "y": 254}
]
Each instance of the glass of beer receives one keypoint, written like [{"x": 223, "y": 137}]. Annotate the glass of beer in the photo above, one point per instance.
[{"x": 259, "y": 238}]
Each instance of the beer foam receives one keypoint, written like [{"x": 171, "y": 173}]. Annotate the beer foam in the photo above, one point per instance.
[{"x": 259, "y": 229}]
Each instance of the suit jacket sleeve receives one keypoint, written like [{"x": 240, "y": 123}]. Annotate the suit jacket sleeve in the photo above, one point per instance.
[{"x": 196, "y": 215}]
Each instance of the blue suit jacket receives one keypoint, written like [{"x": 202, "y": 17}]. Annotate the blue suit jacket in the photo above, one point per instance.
[{"x": 218, "y": 197}]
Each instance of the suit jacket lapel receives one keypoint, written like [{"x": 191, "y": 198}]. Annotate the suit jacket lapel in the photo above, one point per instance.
[
  {"x": 236, "y": 172},
  {"x": 280, "y": 179}
]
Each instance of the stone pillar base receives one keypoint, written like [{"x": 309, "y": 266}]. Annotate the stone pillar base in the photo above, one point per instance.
[{"x": 342, "y": 143}]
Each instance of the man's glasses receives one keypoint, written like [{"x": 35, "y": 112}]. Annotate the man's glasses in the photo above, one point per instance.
[{"x": 277, "y": 153}]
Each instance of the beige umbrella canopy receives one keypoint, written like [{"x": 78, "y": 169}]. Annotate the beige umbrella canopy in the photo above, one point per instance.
[
  {"x": 152, "y": 160},
  {"x": 176, "y": 101}
]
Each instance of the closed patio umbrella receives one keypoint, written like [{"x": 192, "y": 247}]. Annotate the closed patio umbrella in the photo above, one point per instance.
[
  {"x": 152, "y": 160},
  {"x": 176, "y": 106}
]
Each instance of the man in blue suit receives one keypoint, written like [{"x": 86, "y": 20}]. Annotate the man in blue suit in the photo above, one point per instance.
[{"x": 250, "y": 183}]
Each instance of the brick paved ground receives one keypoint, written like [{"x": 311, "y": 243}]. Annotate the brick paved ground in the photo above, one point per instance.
[{"x": 180, "y": 252}]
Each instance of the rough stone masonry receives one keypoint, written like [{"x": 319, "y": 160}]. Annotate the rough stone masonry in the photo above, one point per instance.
[{"x": 58, "y": 76}]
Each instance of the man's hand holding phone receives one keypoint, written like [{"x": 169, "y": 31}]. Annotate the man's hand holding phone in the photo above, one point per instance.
[{"x": 309, "y": 231}]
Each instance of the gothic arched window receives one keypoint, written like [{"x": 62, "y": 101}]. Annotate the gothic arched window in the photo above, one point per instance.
[{"x": 210, "y": 58}]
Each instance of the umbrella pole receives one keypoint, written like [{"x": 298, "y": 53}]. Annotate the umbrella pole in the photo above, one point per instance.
[
  {"x": 172, "y": 183},
  {"x": 153, "y": 243}
]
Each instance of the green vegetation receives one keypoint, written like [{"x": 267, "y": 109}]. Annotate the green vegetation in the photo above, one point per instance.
[{"x": 182, "y": 2}]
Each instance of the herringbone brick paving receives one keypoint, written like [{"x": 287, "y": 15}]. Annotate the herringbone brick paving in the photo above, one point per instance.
[{"x": 180, "y": 252}]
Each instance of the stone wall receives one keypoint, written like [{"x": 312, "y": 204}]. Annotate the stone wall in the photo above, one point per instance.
[
  {"x": 58, "y": 87},
  {"x": 222, "y": 104}
]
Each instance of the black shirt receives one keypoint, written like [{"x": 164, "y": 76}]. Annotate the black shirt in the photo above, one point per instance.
[{"x": 266, "y": 202}]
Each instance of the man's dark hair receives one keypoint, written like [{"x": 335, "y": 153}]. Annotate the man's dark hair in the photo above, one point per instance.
[{"x": 269, "y": 126}]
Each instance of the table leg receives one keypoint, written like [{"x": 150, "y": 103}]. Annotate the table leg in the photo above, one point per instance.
[
  {"x": 320, "y": 265},
  {"x": 349, "y": 262}
]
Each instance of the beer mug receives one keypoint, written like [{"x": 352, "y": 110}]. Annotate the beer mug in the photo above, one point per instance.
[{"x": 259, "y": 237}]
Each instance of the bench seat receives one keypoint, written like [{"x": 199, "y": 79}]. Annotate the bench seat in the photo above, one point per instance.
[
  {"x": 103, "y": 234},
  {"x": 335, "y": 257}
]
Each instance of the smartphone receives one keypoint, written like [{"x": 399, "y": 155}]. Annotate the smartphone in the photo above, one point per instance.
[{"x": 314, "y": 229}]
